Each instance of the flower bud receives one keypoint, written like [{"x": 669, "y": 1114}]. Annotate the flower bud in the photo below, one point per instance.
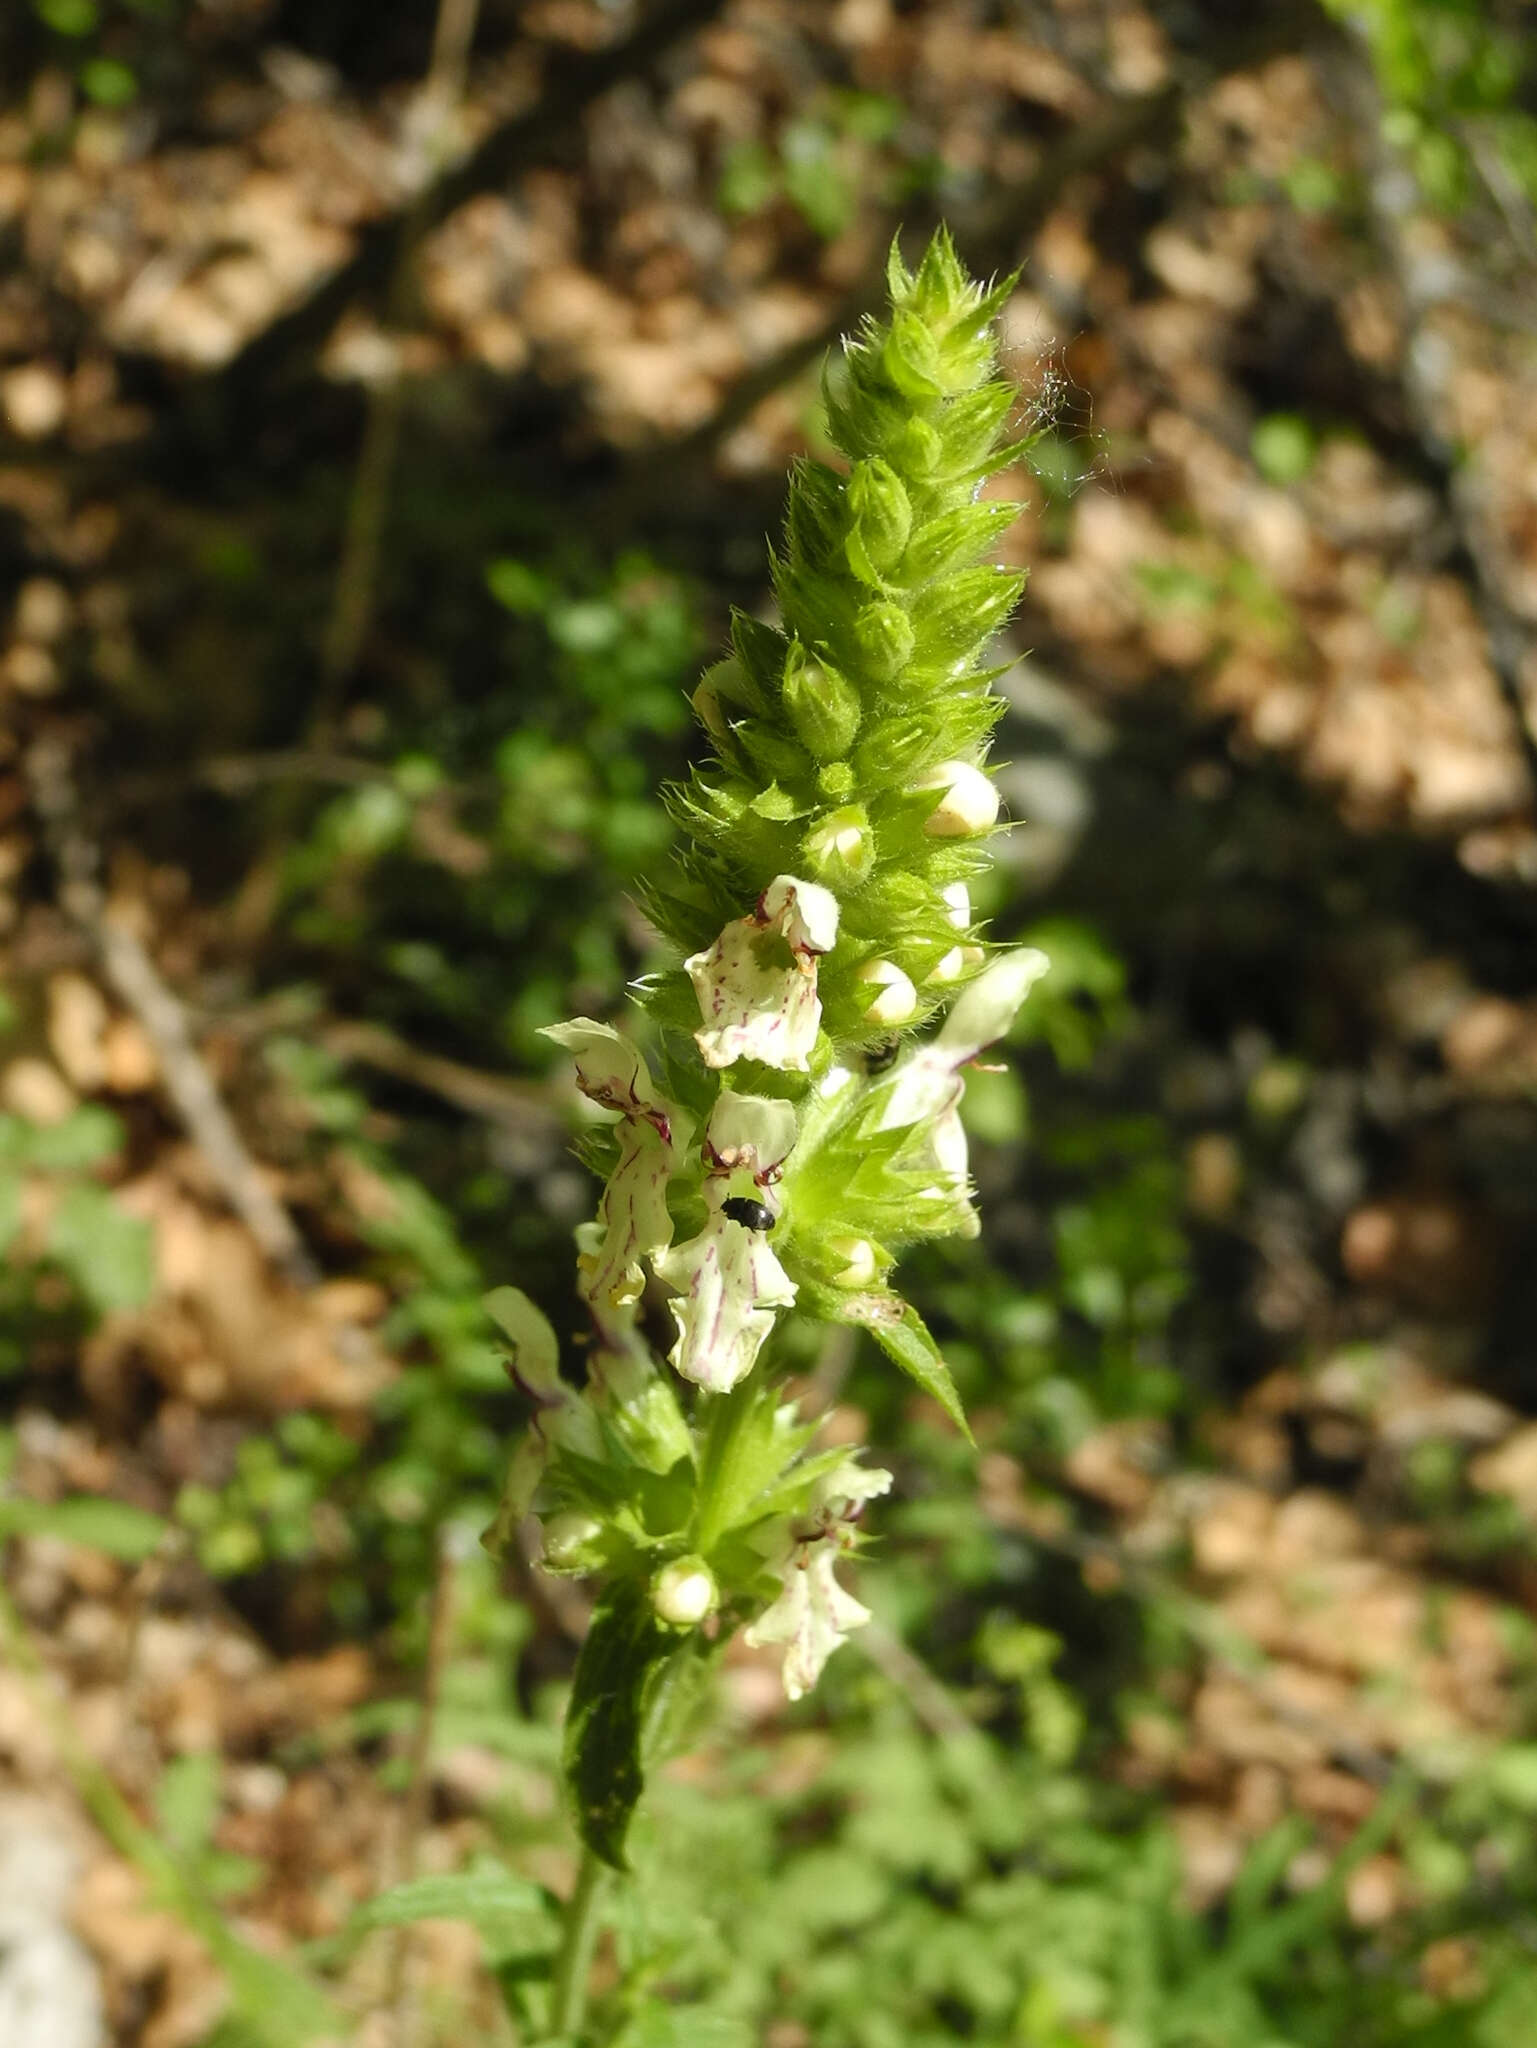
[
  {"x": 884, "y": 635},
  {"x": 910, "y": 357},
  {"x": 570, "y": 1541},
  {"x": 723, "y": 692},
  {"x": 957, "y": 613},
  {"x": 918, "y": 447},
  {"x": 773, "y": 753},
  {"x": 840, "y": 848},
  {"x": 684, "y": 1592},
  {"x": 895, "y": 1000},
  {"x": 952, "y": 966},
  {"x": 815, "y": 515},
  {"x": 857, "y": 1261},
  {"x": 836, "y": 780},
  {"x": 957, "y": 901},
  {"x": 882, "y": 520},
  {"x": 823, "y": 706},
  {"x": 968, "y": 805}
]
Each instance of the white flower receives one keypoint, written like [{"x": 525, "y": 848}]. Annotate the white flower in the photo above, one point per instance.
[
  {"x": 968, "y": 804},
  {"x": 811, "y": 1617},
  {"x": 840, "y": 1495},
  {"x": 895, "y": 1000},
  {"x": 730, "y": 1287},
  {"x": 608, "y": 1068},
  {"x": 729, "y": 1283},
  {"x": 926, "y": 1089},
  {"x": 535, "y": 1361},
  {"x": 633, "y": 1220},
  {"x": 757, "y": 985},
  {"x": 749, "y": 1134},
  {"x": 985, "y": 1011}
]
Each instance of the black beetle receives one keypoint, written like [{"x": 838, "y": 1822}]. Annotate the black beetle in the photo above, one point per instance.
[
  {"x": 750, "y": 1214},
  {"x": 882, "y": 1055}
]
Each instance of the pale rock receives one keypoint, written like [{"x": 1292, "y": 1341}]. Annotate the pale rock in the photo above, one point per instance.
[
  {"x": 34, "y": 399},
  {"x": 37, "y": 1092},
  {"x": 1511, "y": 1469},
  {"x": 77, "y": 1023}
]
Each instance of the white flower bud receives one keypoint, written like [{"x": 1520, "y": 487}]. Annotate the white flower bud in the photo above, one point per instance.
[
  {"x": 859, "y": 1264},
  {"x": 567, "y": 1536},
  {"x": 841, "y": 848},
  {"x": 951, "y": 966},
  {"x": 968, "y": 805},
  {"x": 684, "y": 1592},
  {"x": 895, "y": 1000},
  {"x": 957, "y": 900}
]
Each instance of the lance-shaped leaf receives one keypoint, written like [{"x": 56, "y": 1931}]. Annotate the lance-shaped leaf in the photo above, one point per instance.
[
  {"x": 905, "y": 1337},
  {"x": 624, "y": 1660}
]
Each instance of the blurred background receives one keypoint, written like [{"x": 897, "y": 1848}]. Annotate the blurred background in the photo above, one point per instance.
[{"x": 394, "y": 398}]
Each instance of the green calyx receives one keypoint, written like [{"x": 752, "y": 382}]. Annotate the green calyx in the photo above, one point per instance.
[{"x": 849, "y": 743}]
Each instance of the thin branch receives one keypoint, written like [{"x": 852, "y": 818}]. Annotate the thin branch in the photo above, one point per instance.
[
  {"x": 931, "y": 1701},
  {"x": 519, "y": 1104},
  {"x": 237, "y": 774},
  {"x": 127, "y": 966}
]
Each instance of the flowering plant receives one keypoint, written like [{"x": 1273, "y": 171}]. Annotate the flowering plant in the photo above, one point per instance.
[{"x": 795, "y": 1128}]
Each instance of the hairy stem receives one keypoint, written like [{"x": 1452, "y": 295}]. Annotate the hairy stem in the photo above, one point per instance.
[
  {"x": 573, "y": 1964},
  {"x": 731, "y": 1415}
]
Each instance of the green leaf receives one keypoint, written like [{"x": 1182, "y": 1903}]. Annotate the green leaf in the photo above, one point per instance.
[
  {"x": 187, "y": 1801},
  {"x": 106, "y": 1252},
  {"x": 84, "y": 1138},
  {"x": 486, "y": 1897},
  {"x": 622, "y": 1664},
  {"x": 10, "y": 1209},
  {"x": 67, "y": 17},
  {"x": 749, "y": 1442},
  {"x": 108, "y": 83},
  {"x": 521, "y": 589},
  {"x": 127, "y": 1533},
  {"x": 904, "y": 1336},
  {"x": 280, "y": 2008},
  {"x": 664, "y": 2026}
]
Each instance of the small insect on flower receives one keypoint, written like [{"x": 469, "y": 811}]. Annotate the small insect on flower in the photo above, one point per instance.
[
  {"x": 879, "y": 1057},
  {"x": 750, "y": 1214}
]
